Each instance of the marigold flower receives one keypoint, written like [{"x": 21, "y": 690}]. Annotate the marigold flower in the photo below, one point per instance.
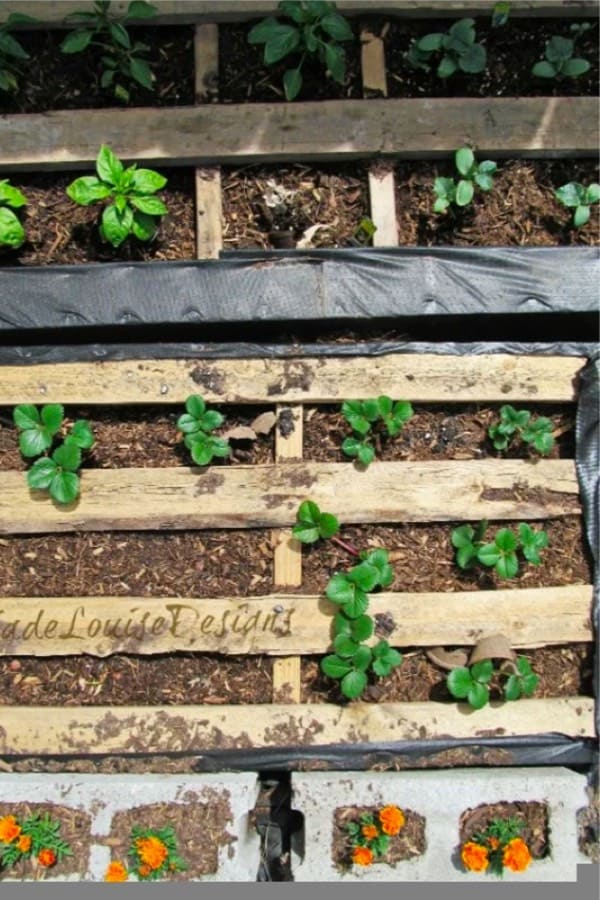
[
  {"x": 24, "y": 843},
  {"x": 474, "y": 857},
  {"x": 362, "y": 856},
  {"x": 9, "y": 829},
  {"x": 369, "y": 831},
  {"x": 116, "y": 872},
  {"x": 144, "y": 871},
  {"x": 151, "y": 851},
  {"x": 516, "y": 855},
  {"x": 46, "y": 857},
  {"x": 392, "y": 819}
]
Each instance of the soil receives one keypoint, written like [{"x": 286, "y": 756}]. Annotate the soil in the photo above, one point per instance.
[
  {"x": 533, "y": 815},
  {"x": 408, "y": 843},
  {"x": 75, "y": 829}
]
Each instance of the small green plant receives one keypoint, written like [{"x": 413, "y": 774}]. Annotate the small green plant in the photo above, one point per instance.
[
  {"x": 370, "y": 837},
  {"x": 197, "y": 425},
  {"x": 474, "y": 174},
  {"x": 314, "y": 30},
  {"x": 472, "y": 683},
  {"x": 560, "y": 62},
  {"x": 12, "y": 54},
  {"x": 580, "y": 197},
  {"x": 497, "y": 847},
  {"x": 500, "y": 13},
  {"x": 133, "y": 210},
  {"x": 536, "y": 431},
  {"x": 12, "y": 233},
  {"x": 458, "y": 47},
  {"x": 364, "y": 415},
  {"x": 34, "y": 837},
  {"x": 502, "y": 553},
  {"x": 313, "y": 525},
  {"x": 122, "y": 61},
  {"x": 57, "y": 470}
]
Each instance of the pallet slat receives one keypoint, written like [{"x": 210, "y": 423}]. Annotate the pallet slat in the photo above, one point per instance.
[{"x": 422, "y": 378}]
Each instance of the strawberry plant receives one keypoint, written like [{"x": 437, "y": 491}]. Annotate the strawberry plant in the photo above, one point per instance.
[
  {"x": 472, "y": 683},
  {"x": 364, "y": 415},
  {"x": 536, "y": 431},
  {"x": 458, "y": 48},
  {"x": 12, "y": 233},
  {"x": 12, "y": 55},
  {"x": 197, "y": 425},
  {"x": 580, "y": 198},
  {"x": 461, "y": 193},
  {"x": 500, "y": 554},
  {"x": 560, "y": 62}
]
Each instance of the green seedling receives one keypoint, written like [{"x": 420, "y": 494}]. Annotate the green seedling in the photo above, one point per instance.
[
  {"x": 580, "y": 197},
  {"x": 471, "y": 683},
  {"x": 122, "y": 60},
  {"x": 12, "y": 54},
  {"x": 363, "y": 415},
  {"x": 458, "y": 48},
  {"x": 57, "y": 470},
  {"x": 313, "y": 29},
  {"x": 313, "y": 525},
  {"x": 461, "y": 193},
  {"x": 560, "y": 62},
  {"x": 197, "y": 425},
  {"x": 522, "y": 682},
  {"x": 531, "y": 542},
  {"x": 12, "y": 233},
  {"x": 133, "y": 209},
  {"x": 536, "y": 431},
  {"x": 500, "y": 14},
  {"x": 502, "y": 553}
]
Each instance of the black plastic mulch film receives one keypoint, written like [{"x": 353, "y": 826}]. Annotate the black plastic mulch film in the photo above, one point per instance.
[{"x": 469, "y": 280}]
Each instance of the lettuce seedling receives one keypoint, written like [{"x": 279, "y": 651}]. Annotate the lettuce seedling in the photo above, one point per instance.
[
  {"x": 12, "y": 54},
  {"x": 133, "y": 210},
  {"x": 314, "y": 30},
  {"x": 580, "y": 197},
  {"x": 448, "y": 191},
  {"x": 12, "y": 233},
  {"x": 457, "y": 46},
  {"x": 502, "y": 553},
  {"x": 560, "y": 62},
  {"x": 471, "y": 683},
  {"x": 122, "y": 61},
  {"x": 362, "y": 415},
  {"x": 513, "y": 423},
  {"x": 197, "y": 425},
  {"x": 521, "y": 683}
]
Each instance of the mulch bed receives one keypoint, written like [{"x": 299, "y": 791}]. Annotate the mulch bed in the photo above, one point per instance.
[
  {"x": 532, "y": 816},
  {"x": 75, "y": 829},
  {"x": 408, "y": 843}
]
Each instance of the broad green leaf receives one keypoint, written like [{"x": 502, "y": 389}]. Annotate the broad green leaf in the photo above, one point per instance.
[
  {"x": 339, "y": 590},
  {"x": 108, "y": 166},
  {"x": 343, "y": 625},
  {"x": 462, "y": 536},
  {"x": 67, "y": 456},
  {"x": 473, "y": 60},
  {"x": 306, "y": 534},
  {"x": 559, "y": 49},
  {"x": 82, "y": 434},
  {"x": 292, "y": 83},
  {"x": 41, "y": 474},
  {"x": 337, "y": 27},
  {"x": 512, "y": 688},
  {"x": 139, "y": 9},
  {"x": 310, "y": 38},
  {"x": 34, "y": 441},
  {"x": 487, "y": 166},
  {"x": 309, "y": 513},
  {"x": 328, "y": 525},
  {"x": 52, "y": 416},
  {"x": 440, "y": 206},
  {"x": 188, "y": 424},
  {"x": 365, "y": 576},
  {"x": 482, "y": 671},
  {"x": 220, "y": 447},
  {"x": 11, "y": 47},
  {"x": 77, "y": 41},
  {"x": 12, "y": 233},
  {"x": 464, "y": 192},
  {"x": 211, "y": 419},
  {"x": 146, "y": 181},
  {"x": 463, "y": 30},
  {"x": 282, "y": 41},
  {"x": 107, "y": 78},
  {"x": 380, "y": 560},
  {"x": 87, "y": 189},
  {"x": 143, "y": 226},
  {"x": 262, "y": 31},
  {"x": 465, "y": 556},
  {"x": 544, "y": 69},
  {"x": 201, "y": 451},
  {"x": 581, "y": 216},
  {"x": 335, "y": 59},
  {"x": 446, "y": 68},
  {"x": 459, "y": 682},
  {"x": 115, "y": 229},
  {"x": 366, "y": 454},
  {"x": 361, "y": 629},
  {"x": 64, "y": 487},
  {"x": 464, "y": 159},
  {"x": 592, "y": 193},
  {"x": 357, "y": 605},
  {"x": 529, "y": 684},
  {"x": 119, "y": 35},
  {"x": 571, "y": 194},
  {"x": 295, "y": 10},
  {"x": 141, "y": 72},
  {"x": 12, "y": 196},
  {"x": 353, "y": 684},
  {"x": 26, "y": 416},
  {"x": 507, "y": 566},
  {"x": 430, "y": 42},
  {"x": 506, "y": 540},
  {"x": 478, "y": 696},
  {"x": 523, "y": 665},
  {"x": 335, "y": 667},
  {"x": 195, "y": 406},
  {"x": 484, "y": 181},
  {"x": 152, "y": 206},
  {"x": 344, "y": 646},
  {"x": 351, "y": 446},
  {"x": 362, "y": 658},
  {"x": 444, "y": 188}
]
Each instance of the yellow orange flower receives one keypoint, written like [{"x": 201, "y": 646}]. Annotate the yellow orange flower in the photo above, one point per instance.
[
  {"x": 24, "y": 843},
  {"x": 46, "y": 857},
  {"x": 144, "y": 871},
  {"x": 369, "y": 831},
  {"x": 151, "y": 851},
  {"x": 116, "y": 872},
  {"x": 516, "y": 855},
  {"x": 392, "y": 819},
  {"x": 362, "y": 856},
  {"x": 474, "y": 857},
  {"x": 9, "y": 829}
]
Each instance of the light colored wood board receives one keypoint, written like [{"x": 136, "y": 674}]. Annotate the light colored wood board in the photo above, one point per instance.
[
  {"x": 372, "y": 59},
  {"x": 268, "y": 496},
  {"x": 319, "y": 130},
  {"x": 421, "y": 378},
  {"x": 206, "y": 62},
  {"x": 209, "y": 213},
  {"x": 287, "y": 684},
  {"x": 382, "y": 193},
  {"x": 78, "y": 731},
  {"x": 286, "y": 624}
]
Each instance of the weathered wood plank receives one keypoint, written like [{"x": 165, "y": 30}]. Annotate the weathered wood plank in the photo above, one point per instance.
[
  {"x": 281, "y": 623},
  {"x": 68, "y": 731},
  {"x": 382, "y": 194},
  {"x": 269, "y": 496},
  {"x": 209, "y": 204},
  {"x": 318, "y": 130},
  {"x": 422, "y": 378},
  {"x": 372, "y": 59}
]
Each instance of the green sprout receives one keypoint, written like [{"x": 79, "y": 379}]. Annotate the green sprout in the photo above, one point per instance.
[
  {"x": 474, "y": 174},
  {"x": 458, "y": 48},
  {"x": 522, "y": 682},
  {"x": 197, "y": 425},
  {"x": 472, "y": 683},
  {"x": 363, "y": 415},
  {"x": 580, "y": 197},
  {"x": 536, "y": 431},
  {"x": 501, "y": 554},
  {"x": 560, "y": 62},
  {"x": 12, "y": 233},
  {"x": 12, "y": 55}
]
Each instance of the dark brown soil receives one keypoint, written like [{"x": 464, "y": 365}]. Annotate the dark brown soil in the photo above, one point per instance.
[
  {"x": 532, "y": 815},
  {"x": 408, "y": 843},
  {"x": 75, "y": 829}
]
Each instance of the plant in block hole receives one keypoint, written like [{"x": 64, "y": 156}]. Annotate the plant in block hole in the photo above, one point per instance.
[
  {"x": 154, "y": 855},
  {"x": 133, "y": 210},
  {"x": 535, "y": 431},
  {"x": 12, "y": 55},
  {"x": 370, "y": 836},
  {"x": 578, "y": 197},
  {"x": 122, "y": 60},
  {"x": 458, "y": 48},
  {"x": 461, "y": 193},
  {"x": 33, "y": 837},
  {"x": 313, "y": 29},
  {"x": 501, "y": 554},
  {"x": 560, "y": 62},
  {"x": 197, "y": 425},
  {"x": 498, "y": 846},
  {"x": 57, "y": 469},
  {"x": 12, "y": 233},
  {"x": 370, "y": 417},
  {"x": 472, "y": 683}
]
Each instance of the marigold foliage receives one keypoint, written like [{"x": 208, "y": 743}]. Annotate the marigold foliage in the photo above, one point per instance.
[{"x": 34, "y": 836}]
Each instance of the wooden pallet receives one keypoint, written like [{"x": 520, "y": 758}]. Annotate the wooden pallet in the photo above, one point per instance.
[{"x": 286, "y": 624}]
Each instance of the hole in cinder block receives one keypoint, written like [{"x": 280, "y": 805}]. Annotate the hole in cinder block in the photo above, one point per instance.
[{"x": 281, "y": 828}]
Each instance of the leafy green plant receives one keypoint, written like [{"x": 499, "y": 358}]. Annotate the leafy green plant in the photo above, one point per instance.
[
  {"x": 122, "y": 60},
  {"x": 580, "y": 197},
  {"x": 34, "y": 837},
  {"x": 314, "y": 30},
  {"x": 560, "y": 62},
  {"x": 501, "y": 554},
  {"x": 497, "y": 847},
  {"x": 57, "y": 470},
  {"x": 458, "y": 48},
  {"x": 312, "y": 524},
  {"x": 12, "y": 233},
  {"x": 472, "y": 683},
  {"x": 474, "y": 174},
  {"x": 500, "y": 13},
  {"x": 536, "y": 431},
  {"x": 363, "y": 415},
  {"x": 197, "y": 425},
  {"x": 522, "y": 682},
  {"x": 12, "y": 54},
  {"x": 133, "y": 210}
]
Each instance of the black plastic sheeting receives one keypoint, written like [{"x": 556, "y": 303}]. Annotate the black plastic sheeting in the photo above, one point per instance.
[{"x": 295, "y": 286}]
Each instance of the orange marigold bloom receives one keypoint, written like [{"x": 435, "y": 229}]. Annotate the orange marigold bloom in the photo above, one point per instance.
[
  {"x": 24, "y": 843},
  {"x": 474, "y": 857},
  {"x": 392, "y": 819},
  {"x": 362, "y": 856},
  {"x": 369, "y": 831},
  {"x": 151, "y": 851},
  {"x": 144, "y": 871},
  {"x": 116, "y": 872},
  {"x": 516, "y": 855},
  {"x": 9, "y": 829},
  {"x": 46, "y": 857}
]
